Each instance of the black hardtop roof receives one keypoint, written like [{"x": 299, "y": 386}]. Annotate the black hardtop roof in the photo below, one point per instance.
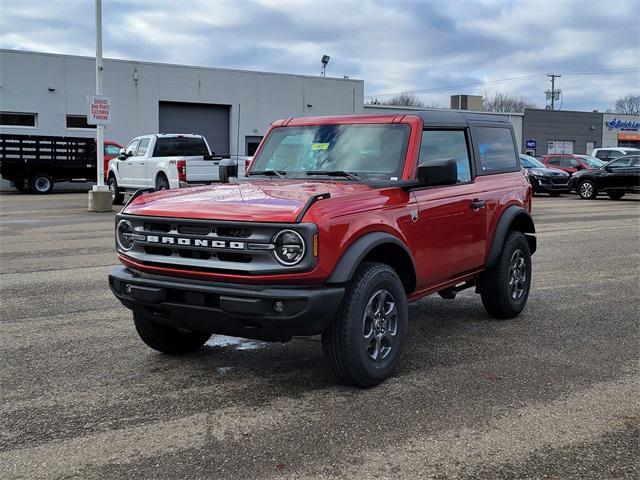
[{"x": 453, "y": 118}]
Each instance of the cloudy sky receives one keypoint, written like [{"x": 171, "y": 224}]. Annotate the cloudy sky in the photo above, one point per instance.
[{"x": 434, "y": 47}]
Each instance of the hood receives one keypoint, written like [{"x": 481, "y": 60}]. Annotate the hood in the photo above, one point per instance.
[
  {"x": 262, "y": 200},
  {"x": 549, "y": 172}
]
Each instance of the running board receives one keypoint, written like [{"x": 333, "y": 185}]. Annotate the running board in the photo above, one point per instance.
[{"x": 450, "y": 293}]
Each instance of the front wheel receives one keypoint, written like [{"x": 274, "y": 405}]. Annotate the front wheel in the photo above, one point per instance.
[
  {"x": 167, "y": 339},
  {"x": 504, "y": 287},
  {"x": 364, "y": 342},
  {"x": 116, "y": 195},
  {"x": 587, "y": 190},
  {"x": 41, "y": 183},
  {"x": 615, "y": 194}
]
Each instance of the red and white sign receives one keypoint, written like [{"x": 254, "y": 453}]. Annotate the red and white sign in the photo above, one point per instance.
[{"x": 98, "y": 110}]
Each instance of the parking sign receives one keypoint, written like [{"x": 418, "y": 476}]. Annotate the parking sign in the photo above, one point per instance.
[{"x": 98, "y": 110}]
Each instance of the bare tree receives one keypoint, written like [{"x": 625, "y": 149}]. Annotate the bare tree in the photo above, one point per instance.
[
  {"x": 506, "y": 102},
  {"x": 629, "y": 105},
  {"x": 404, "y": 99}
]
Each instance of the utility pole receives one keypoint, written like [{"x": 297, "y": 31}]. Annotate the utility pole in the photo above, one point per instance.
[{"x": 553, "y": 94}]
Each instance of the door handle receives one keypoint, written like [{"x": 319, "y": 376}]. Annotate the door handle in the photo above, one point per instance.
[{"x": 477, "y": 204}]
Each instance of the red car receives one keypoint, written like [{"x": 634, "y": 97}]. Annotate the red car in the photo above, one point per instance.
[
  {"x": 571, "y": 163},
  {"x": 340, "y": 222}
]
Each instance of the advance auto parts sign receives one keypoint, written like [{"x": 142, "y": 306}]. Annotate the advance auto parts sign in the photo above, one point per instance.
[{"x": 98, "y": 110}]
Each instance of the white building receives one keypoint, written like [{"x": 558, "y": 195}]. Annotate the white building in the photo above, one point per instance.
[{"x": 45, "y": 94}]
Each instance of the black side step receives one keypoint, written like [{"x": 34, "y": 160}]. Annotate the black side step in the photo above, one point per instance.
[{"x": 451, "y": 292}]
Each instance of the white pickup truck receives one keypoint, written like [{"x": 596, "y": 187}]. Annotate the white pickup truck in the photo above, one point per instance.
[{"x": 161, "y": 161}]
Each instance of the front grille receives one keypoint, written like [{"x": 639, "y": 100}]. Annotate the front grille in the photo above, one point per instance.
[
  {"x": 201, "y": 245},
  {"x": 559, "y": 180}
]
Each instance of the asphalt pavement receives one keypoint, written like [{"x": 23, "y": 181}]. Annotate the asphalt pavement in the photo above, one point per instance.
[{"x": 553, "y": 393}]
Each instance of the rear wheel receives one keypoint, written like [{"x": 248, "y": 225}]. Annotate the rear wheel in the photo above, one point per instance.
[
  {"x": 504, "y": 287},
  {"x": 41, "y": 183},
  {"x": 116, "y": 196},
  {"x": 166, "y": 339},
  {"x": 587, "y": 190},
  {"x": 162, "y": 183},
  {"x": 364, "y": 342},
  {"x": 615, "y": 194}
]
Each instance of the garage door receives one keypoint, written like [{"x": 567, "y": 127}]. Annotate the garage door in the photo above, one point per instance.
[{"x": 212, "y": 121}]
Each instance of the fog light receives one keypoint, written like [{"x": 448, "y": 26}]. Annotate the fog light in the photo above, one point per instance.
[
  {"x": 127, "y": 288},
  {"x": 278, "y": 307}
]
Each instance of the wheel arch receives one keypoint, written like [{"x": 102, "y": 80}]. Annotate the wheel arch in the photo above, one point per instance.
[
  {"x": 513, "y": 218},
  {"x": 159, "y": 174},
  {"x": 377, "y": 247}
]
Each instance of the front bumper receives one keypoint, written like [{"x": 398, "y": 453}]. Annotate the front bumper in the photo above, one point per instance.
[
  {"x": 541, "y": 185},
  {"x": 241, "y": 310}
]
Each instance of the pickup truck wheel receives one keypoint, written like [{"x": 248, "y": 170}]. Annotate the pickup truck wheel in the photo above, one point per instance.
[
  {"x": 364, "y": 342},
  {"x": 162, "y": 183},
  {"x": 587, "y": 190},
  {"x": 41, "y": 183},
  {"x": 504, "y": 287},
  {"x": 615, "y": 194},
  {"x": 116, "y": 196},
  {"x": 166, "y": 339}
]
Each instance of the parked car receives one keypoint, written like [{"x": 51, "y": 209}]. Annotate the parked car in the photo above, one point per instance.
[
  {"x": 616, "y": 178},
  {"x": 162, "y": 161},
  {"x": 34, "y": 163},
  {"x": 611, "y": 153},
  {"x": 340, "y": 222},
  {"x": 544, "y": 179},
  {"x": 571, "y": 163}
]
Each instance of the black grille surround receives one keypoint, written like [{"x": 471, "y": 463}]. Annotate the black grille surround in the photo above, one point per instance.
[{"x": 241, "y": 248}]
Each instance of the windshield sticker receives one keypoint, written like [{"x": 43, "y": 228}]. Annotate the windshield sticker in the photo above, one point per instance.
[{"x": 319, "y": 146}]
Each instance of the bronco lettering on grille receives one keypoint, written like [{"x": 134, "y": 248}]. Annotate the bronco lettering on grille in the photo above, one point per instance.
[{"x": 196, "y": 242}]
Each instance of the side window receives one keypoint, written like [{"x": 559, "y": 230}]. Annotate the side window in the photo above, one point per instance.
[
  {"x": 555, "y": 161},
  {"x": 497, "y": 152},
  {"x": 144, "y": 145},
  {"x": 623, "y": 162},
  {"x": 111, "y": 150},
  {"x": 569, "y": 162},
  {"x": 132, "y": 148},
  {"x": 603, "y": 154},
  {"x": 445, "y": 145}
]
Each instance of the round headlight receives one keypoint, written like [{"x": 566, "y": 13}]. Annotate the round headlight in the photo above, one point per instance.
[
  {"x": 289, "y": 247},
  {"x": 124, "y": 235}
]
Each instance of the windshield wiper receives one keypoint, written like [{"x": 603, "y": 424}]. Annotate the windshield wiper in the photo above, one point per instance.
[
  {"x": 335, "y": 173},
  {"x": 270, "y": 173}
]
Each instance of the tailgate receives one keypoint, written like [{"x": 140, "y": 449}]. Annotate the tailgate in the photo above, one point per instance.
[{"x": 200, "y": 170}]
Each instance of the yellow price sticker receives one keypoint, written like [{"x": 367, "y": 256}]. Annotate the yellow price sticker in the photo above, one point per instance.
[{"x": 319, "y": 146}]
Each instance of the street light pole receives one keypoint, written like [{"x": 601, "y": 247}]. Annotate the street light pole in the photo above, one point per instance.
[{"x": 99, "y": 67}]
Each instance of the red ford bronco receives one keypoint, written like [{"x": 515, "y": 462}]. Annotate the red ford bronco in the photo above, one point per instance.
[{"x": 339, "y": 223}]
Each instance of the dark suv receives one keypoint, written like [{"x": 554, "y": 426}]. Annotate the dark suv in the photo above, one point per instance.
[
  {"x": 616, "y": 178},
  {"x": 340, "y": 222}
]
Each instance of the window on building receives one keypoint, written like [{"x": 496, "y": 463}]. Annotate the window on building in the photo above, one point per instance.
[
  {"x": 560, "y": 146},
  {"x": 78, "y": 121},
  {"x": 15, "y": 119},
  {"x": 445, "y": 145},
  {"x": 497, "y": 151}
]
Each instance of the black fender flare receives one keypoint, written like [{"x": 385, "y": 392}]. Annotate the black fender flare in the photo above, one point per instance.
[
  {"x": 512, "y": 216},
  {"x": 358, "y": 250}
]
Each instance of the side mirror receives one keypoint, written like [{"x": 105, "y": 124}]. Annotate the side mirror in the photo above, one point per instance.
[
  {"x": 578, "y": 167},
  {"x": 122, "y": 155},
  {"x": 438, "y": 172}
]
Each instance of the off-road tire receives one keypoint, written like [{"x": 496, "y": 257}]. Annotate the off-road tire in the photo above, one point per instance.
[
  {"x": 116, "y": 196},
  {"x": 41, "y": 184},
  {"x": 587, "y": 190},
  {"x": 495, "y": 287},
  {"x": 162, "y": 183},
  {"x": 615, "y": 194},
  {"x": 167, "y": 339},
  {"x": 343, "y": 342}
]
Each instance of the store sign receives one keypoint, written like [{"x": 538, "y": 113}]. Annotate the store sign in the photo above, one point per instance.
[
  {"x": 623, "y": 124},
  {"x": 531, "y": 144},
  {"x": 98, "y": 110}
]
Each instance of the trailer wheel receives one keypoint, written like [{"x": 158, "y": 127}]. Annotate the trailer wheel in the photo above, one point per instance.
[{"x": 41, "y": 183}]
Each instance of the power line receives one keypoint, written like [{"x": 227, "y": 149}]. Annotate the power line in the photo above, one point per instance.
[{"x": 510, "y": 79}]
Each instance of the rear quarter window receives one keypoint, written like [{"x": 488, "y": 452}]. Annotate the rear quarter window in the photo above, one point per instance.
[{"x": 496, "y": 149}]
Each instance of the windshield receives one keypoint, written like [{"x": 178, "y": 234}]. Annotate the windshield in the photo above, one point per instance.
[
  {"x": 593, "y": 162},
  {"x": 528, "y": 161},
  {"x": 372, "y": 152}
]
